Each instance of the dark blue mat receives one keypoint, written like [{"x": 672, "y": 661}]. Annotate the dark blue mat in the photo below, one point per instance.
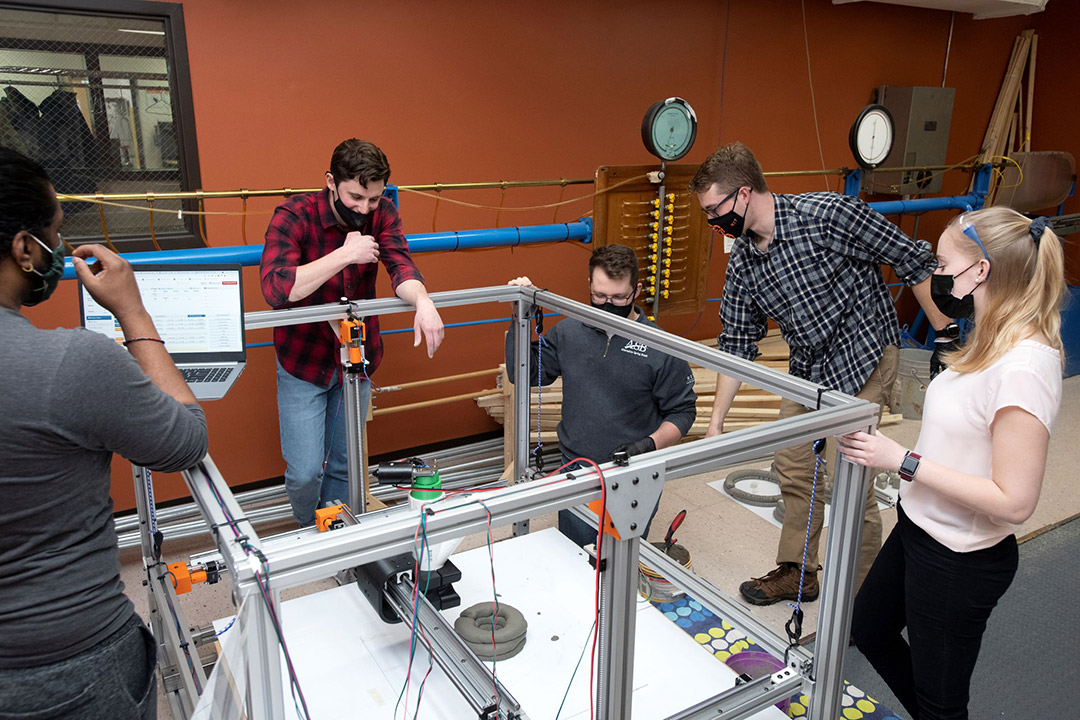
[{"x": 723, "y": 640}]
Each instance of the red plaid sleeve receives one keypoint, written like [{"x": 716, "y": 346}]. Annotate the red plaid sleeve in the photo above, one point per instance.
[
  {"x": 393, "y": 248},
  {"x": 281, "y": 256}
]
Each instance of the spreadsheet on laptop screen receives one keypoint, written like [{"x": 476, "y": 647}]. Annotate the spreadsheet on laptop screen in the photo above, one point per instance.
[{"x": 194, "y": 311}]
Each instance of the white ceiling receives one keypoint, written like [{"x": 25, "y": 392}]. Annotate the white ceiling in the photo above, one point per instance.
[{"x": 981, "y": 9}]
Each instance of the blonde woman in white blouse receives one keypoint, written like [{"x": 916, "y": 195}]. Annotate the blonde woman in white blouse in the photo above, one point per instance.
[{"x": 976, "y": 471}]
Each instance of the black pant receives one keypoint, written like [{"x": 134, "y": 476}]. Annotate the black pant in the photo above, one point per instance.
[
  {"x": 944, "y": 598},
  {"x": 112, "y": 681}
]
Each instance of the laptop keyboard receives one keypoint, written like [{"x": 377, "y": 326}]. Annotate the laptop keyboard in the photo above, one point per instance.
[{"x": 205, "y": 374}]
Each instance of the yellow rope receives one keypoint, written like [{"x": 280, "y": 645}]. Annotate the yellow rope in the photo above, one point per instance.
[
  {"x": 521, "y": 208},
  {"x": 562, "y": 191},
  {"x": 201, "y": 220},
  {"x": 104, "y": 230},
  {"x": 243, "y": 218},
  {"x": 153, "y": 237}
]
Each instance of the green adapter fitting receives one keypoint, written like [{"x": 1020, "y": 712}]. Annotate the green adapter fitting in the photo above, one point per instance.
[{"x": 430, "y": 487}]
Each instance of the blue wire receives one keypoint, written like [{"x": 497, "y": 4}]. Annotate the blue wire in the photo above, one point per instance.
[{"x": 219, "y": 634}]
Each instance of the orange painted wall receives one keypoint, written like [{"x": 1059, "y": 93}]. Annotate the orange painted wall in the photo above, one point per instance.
[{"x": 482, "y": 91}]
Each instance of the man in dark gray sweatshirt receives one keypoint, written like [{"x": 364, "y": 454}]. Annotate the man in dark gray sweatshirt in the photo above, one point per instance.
[{"x": 618, "y": 394}]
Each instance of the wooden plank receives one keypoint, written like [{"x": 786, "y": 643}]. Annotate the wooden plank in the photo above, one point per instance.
[
  {"x": 1031, "y": 92},
  {"x": 1003, "y": 105}
]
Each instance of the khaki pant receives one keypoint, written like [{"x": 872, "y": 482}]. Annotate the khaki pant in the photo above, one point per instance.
[{"x": 795, "y": 468}]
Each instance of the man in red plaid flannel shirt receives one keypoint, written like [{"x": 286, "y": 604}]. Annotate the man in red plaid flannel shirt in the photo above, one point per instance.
[{"x": 321, "y": 247}]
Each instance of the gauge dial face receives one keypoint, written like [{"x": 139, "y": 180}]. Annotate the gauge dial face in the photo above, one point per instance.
[
  {"x": 672, "y": 132},
  {"x": 872, "y": 136},
  {"x": 669, "y": 129}
]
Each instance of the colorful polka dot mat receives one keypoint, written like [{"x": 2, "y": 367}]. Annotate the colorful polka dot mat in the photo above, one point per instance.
[{"x": 723, "y": 640}]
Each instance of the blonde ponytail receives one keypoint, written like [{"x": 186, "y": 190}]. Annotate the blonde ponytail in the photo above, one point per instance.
[{"x": 1024, "y": 291}]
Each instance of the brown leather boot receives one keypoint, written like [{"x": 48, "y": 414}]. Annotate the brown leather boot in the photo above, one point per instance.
[{"x": 780, "y": 584}]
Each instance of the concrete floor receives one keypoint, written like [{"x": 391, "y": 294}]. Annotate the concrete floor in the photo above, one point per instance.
[{"x": 729, "y": 543}]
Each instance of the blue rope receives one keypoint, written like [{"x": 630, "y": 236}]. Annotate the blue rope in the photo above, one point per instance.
[
  {"x": 794, "y": 625},
  {"x": 809, "y": 522},
  {"x": 539, "y": 449}
]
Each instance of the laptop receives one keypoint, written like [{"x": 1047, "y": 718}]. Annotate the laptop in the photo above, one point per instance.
[{"x": 198, "y": 311}]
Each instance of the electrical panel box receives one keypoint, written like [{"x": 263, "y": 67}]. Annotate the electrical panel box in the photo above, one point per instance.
[{"x": 921, "y": 120}]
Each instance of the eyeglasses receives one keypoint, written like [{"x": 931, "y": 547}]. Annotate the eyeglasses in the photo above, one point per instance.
[
  {"x": 713, "y": 210},
  {"x": 613, "y": 299}
]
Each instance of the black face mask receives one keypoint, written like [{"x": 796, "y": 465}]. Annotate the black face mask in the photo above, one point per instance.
[
  {"x": 352, "y": 219},
  {"x": 941, "y": 287},
  {"x": 620, "y": 310},
  {"x": 730, "y": 223}
]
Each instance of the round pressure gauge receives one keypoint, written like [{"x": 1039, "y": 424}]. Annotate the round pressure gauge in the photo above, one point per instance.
[
  {"x": 669, "y": 128},
  {"x": 871, "y": 136}
]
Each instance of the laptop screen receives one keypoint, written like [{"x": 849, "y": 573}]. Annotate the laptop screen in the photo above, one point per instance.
[{"x": 198, "y": 311}]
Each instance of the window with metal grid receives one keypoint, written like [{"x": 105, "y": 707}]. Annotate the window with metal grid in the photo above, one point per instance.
[{"x": 99, "y": 94}]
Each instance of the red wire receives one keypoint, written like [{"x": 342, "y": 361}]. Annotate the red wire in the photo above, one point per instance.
[
  {"x": 596, "y": 594},
  {"x": 495, "y": 595}
]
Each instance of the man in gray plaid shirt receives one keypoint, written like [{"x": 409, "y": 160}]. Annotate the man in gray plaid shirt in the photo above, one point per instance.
[{"x": 811, "y": 263}]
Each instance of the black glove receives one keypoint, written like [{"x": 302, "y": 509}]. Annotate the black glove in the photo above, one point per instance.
[
  {"x": 644, "y": 445},
  {"x": 947, "y": 340}
]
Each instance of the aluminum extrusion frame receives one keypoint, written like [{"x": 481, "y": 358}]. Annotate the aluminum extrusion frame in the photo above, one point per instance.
[{"x": 298, "y": 560}]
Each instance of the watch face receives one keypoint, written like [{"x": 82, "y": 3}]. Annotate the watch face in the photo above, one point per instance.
[{"x": 873, "y": 137}]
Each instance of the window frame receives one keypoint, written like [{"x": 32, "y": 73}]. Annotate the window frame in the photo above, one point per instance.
[{"x": 171, "y": 14}]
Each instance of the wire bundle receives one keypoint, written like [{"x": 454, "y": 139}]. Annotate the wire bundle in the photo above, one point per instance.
[{"x": 264, "y": 590}]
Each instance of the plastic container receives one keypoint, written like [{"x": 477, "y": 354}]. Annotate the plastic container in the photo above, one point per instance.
[
  {"x": 912, "y": 377},
  {"x": 655, "y": 587},
  {"x": 757, "y": 664},
  {"x": 429, "y": 488}
]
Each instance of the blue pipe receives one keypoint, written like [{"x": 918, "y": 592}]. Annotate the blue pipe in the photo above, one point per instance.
[
  {"x": 897, "y": 207},
  {"x": 580, "y": 231}
]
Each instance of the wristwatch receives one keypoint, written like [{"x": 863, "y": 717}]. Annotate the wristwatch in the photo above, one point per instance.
[
  {"x": 949, "y": 333},
  {"x": 909, "y": 466}
]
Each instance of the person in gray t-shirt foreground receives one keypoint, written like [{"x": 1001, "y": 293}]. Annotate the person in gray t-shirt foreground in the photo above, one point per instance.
[
  {"x": 617, "y": 393},
  {"x": 71, "y": 645}
]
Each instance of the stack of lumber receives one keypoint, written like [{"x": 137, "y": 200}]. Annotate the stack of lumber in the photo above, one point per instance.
[{"x": 752, "y": 406}]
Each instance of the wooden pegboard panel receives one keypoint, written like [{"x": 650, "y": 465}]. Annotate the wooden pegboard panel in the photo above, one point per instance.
[{"x": 625, "y": 215}]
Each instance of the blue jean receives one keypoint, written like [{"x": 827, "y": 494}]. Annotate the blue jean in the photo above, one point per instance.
[
  {"x": 944, "y": 598},
  {"x": 113, "y": 681},
  {"x": 312, "y": 420}
]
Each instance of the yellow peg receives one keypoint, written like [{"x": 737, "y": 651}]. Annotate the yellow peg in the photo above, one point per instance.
[
  {"x": 664, "y": 294},
  {"x": 656, "y": 203},
  {"x": 654, "y": 226},
  {"x": 655, "y": 214},
  {"x": 669, "y": 229},
  {"x": 671, "y": 197},
  {"x": 670, "y": 208}
]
